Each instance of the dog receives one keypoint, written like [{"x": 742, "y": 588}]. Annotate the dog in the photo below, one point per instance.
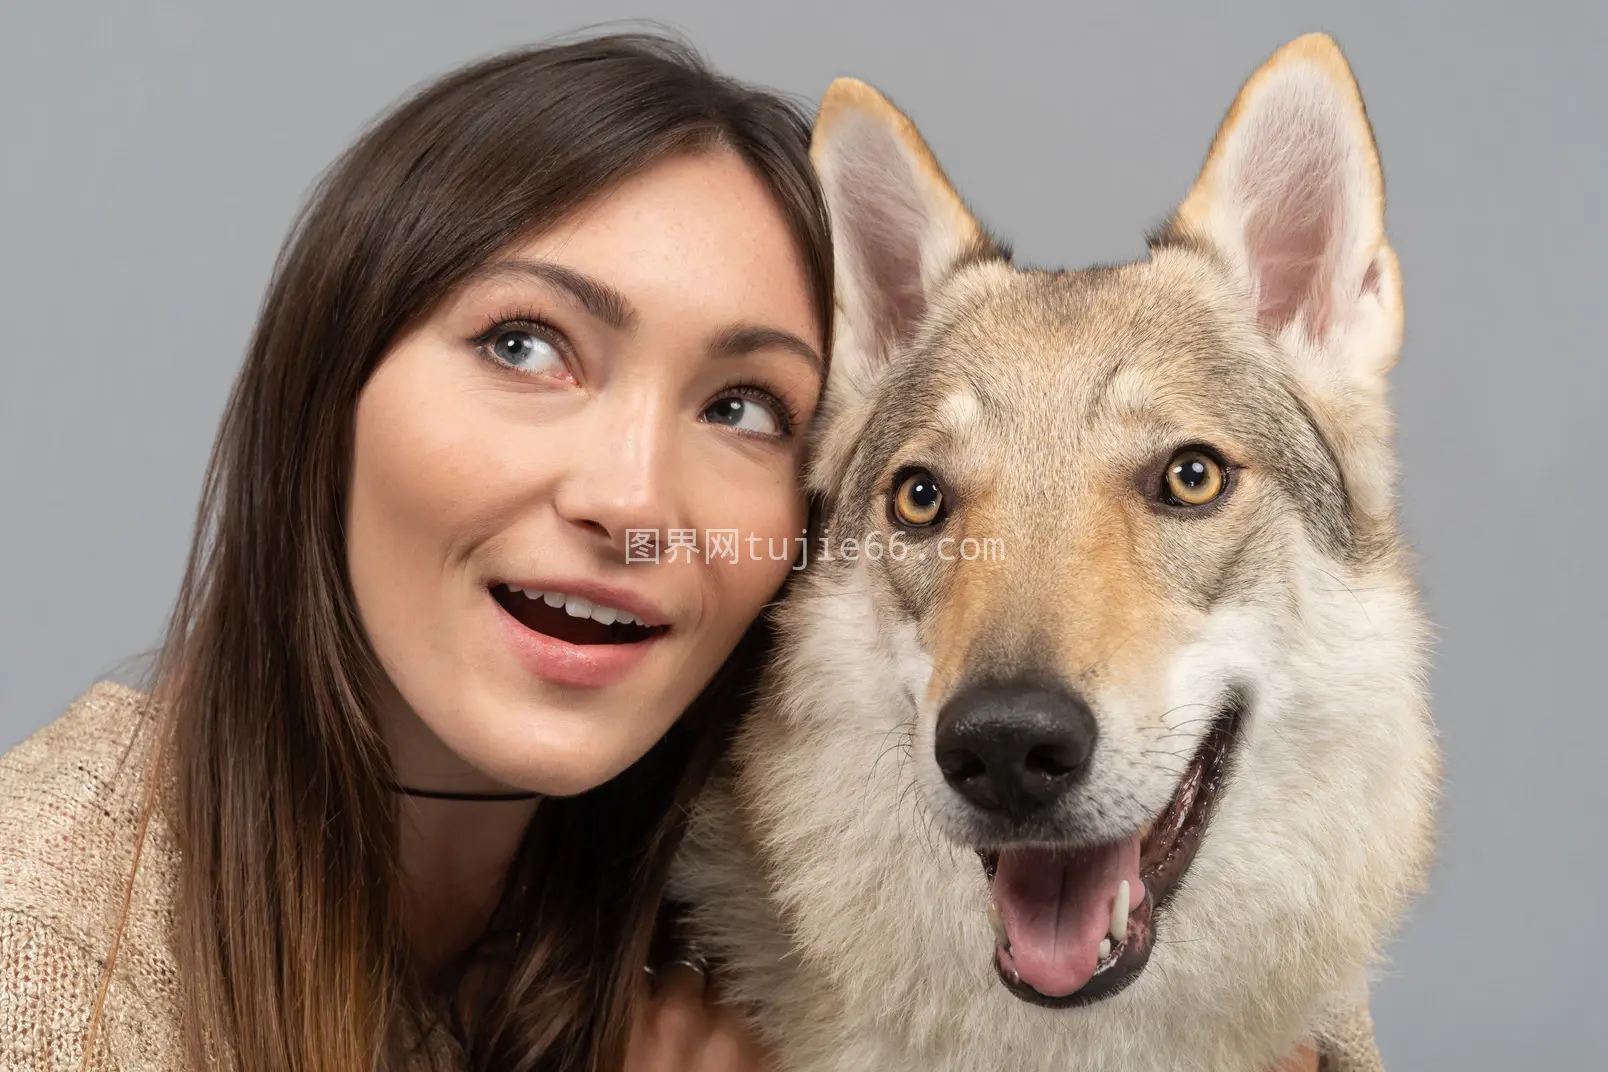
[{"x": 1149, "y": 785}]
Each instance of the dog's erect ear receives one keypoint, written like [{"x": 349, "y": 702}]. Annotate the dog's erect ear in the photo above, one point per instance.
[
  {"x": 1291, "y": 194},
  {"x": 898, "y": 228}
]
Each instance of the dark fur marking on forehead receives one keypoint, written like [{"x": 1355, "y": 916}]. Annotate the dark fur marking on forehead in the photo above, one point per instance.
[
  {"x": 1252, "y": 391},
  {"x": 1276, "y": 421},
  {"x": 908, "y": 396}
]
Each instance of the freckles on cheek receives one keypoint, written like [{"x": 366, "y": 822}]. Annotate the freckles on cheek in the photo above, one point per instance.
[
  {"x": 386, "y": 534},
  {"x": 412, "y": 498},
  {"x": 425, "y": 460},
  {"x": 394, "y": 468}
]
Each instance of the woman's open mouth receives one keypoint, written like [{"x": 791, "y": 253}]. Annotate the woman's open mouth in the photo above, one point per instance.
[
  {"x": 569, "y": 639},
  {"x": 572, "y": 619},
  {"x": 1074, "y": 926}
]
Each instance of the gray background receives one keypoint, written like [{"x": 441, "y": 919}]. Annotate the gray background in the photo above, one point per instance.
[{"x": 151, "y": 160}]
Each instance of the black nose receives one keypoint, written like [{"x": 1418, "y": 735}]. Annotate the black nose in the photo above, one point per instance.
[{"x": 1014, "y": 748}]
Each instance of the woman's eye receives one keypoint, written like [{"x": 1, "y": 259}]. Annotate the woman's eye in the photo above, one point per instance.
[
  {"x": 525, "y": 350},
  {"x": 745, "y": 414}
]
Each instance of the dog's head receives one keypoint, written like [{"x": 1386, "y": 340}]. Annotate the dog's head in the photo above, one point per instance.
[{"x": 1121, "y": 507}]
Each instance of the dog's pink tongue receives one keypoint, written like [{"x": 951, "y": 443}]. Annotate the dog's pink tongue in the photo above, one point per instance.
[{"x": 1056, "y": 906}]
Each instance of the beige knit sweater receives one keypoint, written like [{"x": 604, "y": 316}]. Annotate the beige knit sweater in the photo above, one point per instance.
[
  {"x": 71, "y": 797},
  {"x": 70, "y": 803}
]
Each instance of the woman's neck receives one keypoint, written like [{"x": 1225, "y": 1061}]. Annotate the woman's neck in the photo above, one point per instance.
[
  {"x": 454, "y": 853},
  {"x": 455, "y": 857}
]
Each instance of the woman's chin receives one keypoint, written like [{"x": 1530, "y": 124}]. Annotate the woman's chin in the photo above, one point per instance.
[{"x": 561, "y": 749}]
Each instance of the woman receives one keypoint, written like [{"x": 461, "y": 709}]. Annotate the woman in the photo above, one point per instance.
[
  {"x": 407, "y": 783},
  {"x": 556, "y": 296}
]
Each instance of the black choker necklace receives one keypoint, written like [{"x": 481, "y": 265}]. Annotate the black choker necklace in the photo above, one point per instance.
[{"x": 442, "y": 794}]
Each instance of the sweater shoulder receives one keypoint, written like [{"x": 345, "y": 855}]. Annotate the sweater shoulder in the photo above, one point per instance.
[{"x": 74, "y": 800}]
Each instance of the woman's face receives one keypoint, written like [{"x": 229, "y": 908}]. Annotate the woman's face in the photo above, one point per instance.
[{"x": 648, "y": 365}]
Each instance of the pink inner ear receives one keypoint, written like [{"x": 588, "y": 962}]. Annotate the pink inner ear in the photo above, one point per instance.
[
  {"x": 883, "y": 219},
  {"x": 1370, "y": 278},
  {"x": 1291, "y": 182}
]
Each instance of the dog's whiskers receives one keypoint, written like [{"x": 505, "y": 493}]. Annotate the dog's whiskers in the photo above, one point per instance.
[
  {"x": 1360, "y": 605},
  {"x": 1092, "y": 670}
]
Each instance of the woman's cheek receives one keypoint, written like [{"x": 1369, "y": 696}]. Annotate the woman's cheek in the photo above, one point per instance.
[{"x": 767, "y": 561}]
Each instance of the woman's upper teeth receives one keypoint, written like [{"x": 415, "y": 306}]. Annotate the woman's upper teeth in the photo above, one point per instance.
[{"x": 577, "y": 607}]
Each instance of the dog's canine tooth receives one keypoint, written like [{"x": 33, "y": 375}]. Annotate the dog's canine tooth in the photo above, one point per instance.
[
  {"x": 1119, "y": 913},
  {"x": 1105, "y": 948},
  {"x": 996, "y": 921}
]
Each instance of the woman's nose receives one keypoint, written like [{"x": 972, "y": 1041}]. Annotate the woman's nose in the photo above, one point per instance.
[{"x": 623, "y": 482}]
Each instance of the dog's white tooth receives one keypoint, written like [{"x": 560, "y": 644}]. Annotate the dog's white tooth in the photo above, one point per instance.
[
  {"x": 1105, "y": 948},
  {"x": 553, "y": 599},
  {"x": 576, "y": 607},
  {"x": 605, "y": 615},
  {"x": 1119, "y": 913},
  {"x": 996, "y": 921}
]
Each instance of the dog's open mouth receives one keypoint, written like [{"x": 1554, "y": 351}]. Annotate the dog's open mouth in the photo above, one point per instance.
[{"x": 1074, "y": 926}]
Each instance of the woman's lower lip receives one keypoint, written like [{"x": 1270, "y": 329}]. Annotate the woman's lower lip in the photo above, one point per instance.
[{"x": 563, "y": 663}]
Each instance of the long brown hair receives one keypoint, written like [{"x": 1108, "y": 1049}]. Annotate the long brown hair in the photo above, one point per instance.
[{"x": 290, "y": 942}]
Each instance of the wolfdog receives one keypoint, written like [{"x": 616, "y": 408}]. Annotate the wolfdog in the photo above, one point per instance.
[{"x": 1149, "y": 786}]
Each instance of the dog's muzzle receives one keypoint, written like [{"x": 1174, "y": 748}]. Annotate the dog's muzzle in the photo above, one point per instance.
[{"x": 1072, "y": 923}]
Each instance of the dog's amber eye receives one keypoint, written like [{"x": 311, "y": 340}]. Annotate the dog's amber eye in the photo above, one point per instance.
[
  {"x": 917, "y": 499},
  {"x": 1194, "y": 478}
]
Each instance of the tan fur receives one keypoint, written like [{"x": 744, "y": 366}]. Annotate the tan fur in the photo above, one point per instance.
[{"x": 829, "y": 868}]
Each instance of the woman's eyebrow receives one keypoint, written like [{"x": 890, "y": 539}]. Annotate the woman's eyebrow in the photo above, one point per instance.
[
  {"x": 610, "y": 306},
  {"x": 740, "y": 340},
  {"x": 596, "y": 297}
]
